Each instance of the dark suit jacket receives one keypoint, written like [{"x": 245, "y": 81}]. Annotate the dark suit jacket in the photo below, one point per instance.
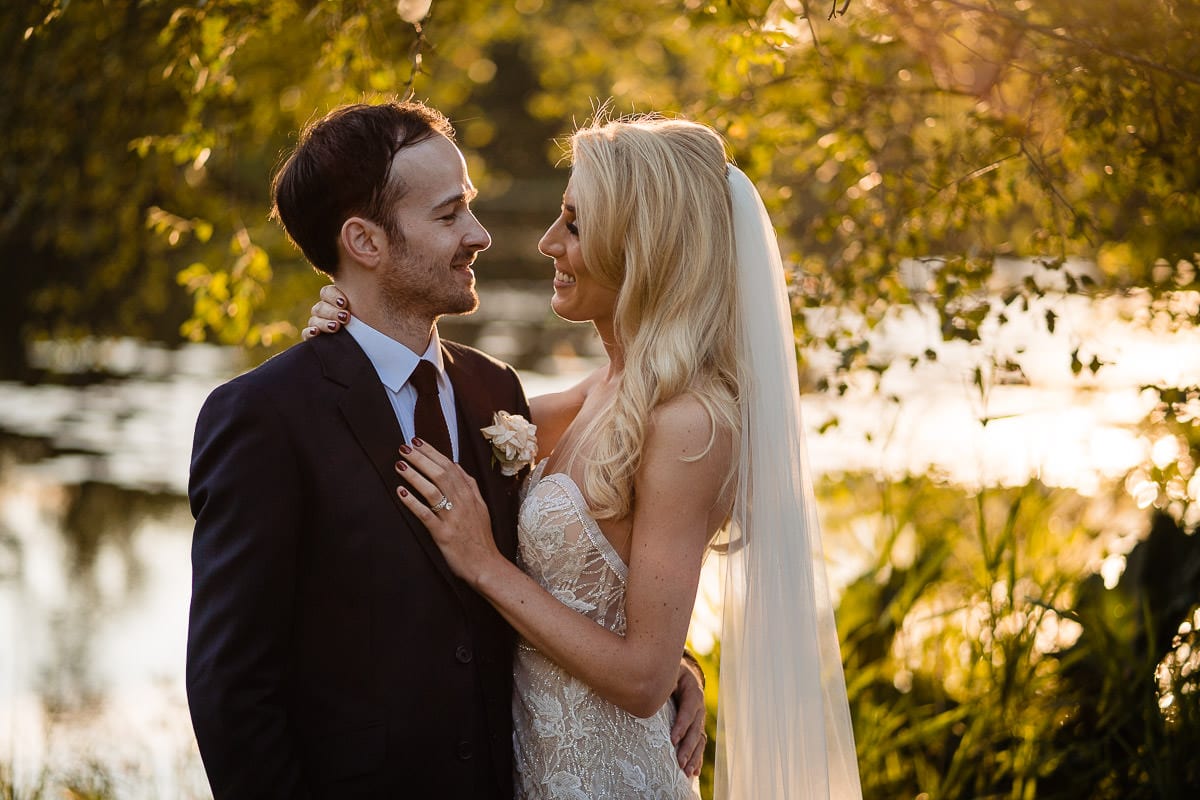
[{"x": 331, "y": 652}]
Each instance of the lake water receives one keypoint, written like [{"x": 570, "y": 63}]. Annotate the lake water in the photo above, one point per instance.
[{"x": 95, "y": 532}]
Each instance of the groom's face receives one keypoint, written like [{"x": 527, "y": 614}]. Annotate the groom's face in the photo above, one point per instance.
[{"x": 429, "y": 270}]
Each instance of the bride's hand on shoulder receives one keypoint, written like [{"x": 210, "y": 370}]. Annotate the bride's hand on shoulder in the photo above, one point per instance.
[
  {"x": 329, "y": 313},
  {"x": 461, "y": 525}
]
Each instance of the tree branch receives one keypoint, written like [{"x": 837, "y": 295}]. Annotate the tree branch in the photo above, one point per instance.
[
  {"x": 414, "y": 61},
  {"x": 975, "y": 173},
  {"x": 1059, "y": 35},
  {"x": 1048, "y": 183},
  {"x": 833, "y": 9}
]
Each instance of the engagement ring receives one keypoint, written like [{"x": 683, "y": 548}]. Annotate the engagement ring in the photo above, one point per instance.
[{"x": 443, "y": 505}]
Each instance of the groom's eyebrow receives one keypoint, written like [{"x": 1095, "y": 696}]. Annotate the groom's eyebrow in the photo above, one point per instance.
[{"x": 461, "y": 197}]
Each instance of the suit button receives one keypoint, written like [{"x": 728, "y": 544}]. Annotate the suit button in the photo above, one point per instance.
[
  {"x": 465, "y": 751},
  {"x": 463, "y": 654}
]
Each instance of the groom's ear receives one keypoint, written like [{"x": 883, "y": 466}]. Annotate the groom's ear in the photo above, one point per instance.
[{"x": 363, "y": 241}]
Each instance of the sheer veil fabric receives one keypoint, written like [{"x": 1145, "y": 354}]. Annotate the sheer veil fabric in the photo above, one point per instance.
[{"x": 783, "y": 725}]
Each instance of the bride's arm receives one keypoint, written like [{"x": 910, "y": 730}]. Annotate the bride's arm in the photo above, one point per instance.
[{"x": 679, "y": 506}]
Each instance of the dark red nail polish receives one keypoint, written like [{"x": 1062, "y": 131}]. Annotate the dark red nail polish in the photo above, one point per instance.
[
  {"x": 403, "y": 492},
  {"x": 332, "y": 326},
  {"x": 405, "y": 449},
  {"x": 343, "y": 316},
  {"x": 417, "y": 441},
  {"x": 400, "y": 465},
  {"x": 341, "y": 302}
]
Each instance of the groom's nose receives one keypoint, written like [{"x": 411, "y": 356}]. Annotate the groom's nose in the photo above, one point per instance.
[{"x": 477, "y": 238}]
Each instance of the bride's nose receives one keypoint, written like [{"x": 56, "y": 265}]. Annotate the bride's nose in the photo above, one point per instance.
[{"x": 550, "y": 245}]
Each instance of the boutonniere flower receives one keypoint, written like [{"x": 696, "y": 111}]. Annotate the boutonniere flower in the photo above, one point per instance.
[{"x": 514, "y": 442}]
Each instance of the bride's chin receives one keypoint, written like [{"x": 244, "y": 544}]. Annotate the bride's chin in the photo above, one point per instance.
[
  {"x": 565, "y": 318},
  {"x": 562, "y": 310}
]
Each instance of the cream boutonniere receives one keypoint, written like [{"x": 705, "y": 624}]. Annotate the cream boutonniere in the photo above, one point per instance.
[{"x": 514, "y": 442}]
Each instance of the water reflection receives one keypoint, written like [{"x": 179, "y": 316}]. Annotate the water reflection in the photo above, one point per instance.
[
  {"x": 107, "y": 576},
  {"x": 93, "y": 591}
]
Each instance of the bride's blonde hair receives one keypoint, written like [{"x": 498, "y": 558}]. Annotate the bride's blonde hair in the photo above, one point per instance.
[{"x": 656, "y": 223}]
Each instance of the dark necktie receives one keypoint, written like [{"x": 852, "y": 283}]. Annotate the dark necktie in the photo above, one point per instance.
[{"x": 428, "y": 419}]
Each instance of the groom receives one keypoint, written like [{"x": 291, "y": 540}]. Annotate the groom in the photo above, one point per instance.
[{"x": 331, "y": 652}]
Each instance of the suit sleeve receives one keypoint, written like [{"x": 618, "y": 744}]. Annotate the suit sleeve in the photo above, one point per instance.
[{"x": 246, "y": 495}]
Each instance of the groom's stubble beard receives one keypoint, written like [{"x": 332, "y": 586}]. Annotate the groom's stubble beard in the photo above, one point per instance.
[{"x": 417, "y": 291}]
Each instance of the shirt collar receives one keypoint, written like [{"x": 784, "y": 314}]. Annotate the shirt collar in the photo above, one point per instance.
[{"x": 393, "y": 361}]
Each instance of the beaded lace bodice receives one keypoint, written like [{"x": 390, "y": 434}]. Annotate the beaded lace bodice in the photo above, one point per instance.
[{"x": 570, "y": 743}]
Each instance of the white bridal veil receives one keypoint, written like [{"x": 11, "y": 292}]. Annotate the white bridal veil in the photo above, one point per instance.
[{"x": 783, "y": 726}]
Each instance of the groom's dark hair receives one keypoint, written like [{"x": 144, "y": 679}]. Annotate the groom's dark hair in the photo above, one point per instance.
[{"x": 341, "y": 168}]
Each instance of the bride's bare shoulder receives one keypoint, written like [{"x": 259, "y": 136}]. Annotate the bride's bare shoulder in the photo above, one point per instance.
[
  {"x": 685, "y": 429},
  {"x": 687, "y": 461}
]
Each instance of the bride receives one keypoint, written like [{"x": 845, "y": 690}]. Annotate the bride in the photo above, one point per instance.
[{"x": 687, "y": 441}]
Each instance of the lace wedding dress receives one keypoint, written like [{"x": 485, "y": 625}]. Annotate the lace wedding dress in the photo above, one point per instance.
[{"x": 569, "y": 743}]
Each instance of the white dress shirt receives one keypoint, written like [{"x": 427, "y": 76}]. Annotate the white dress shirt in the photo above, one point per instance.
[{"x": 394, "y": 363}]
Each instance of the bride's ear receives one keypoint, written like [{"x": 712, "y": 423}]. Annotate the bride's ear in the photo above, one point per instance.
[{"x": 363, "y": 241}]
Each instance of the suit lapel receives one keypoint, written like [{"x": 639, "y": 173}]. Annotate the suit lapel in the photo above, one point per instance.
[
  {"x": 475, "y": 410},
  {"x": 368, "y": 412}
]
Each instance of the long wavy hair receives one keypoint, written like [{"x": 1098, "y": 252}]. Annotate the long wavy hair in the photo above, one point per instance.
[{"x": 653, "y": 199}]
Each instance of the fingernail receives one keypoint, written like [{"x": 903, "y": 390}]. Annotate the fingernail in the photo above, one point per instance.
[
  {"x": 403, "y": 492},
  {"x": 417, "y": 441},
  {"x": 400, "y": 465},
  {"x": 341, "y": 302},
  {"x": 343, "y": 316},
  {"x": 313, "y": 331},
  {"x": 332, "y": 326},
  {"x": 405, "y": 449}
]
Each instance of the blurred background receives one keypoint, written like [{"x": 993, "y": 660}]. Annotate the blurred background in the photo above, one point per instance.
[{"x": 991, "y": 214}]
